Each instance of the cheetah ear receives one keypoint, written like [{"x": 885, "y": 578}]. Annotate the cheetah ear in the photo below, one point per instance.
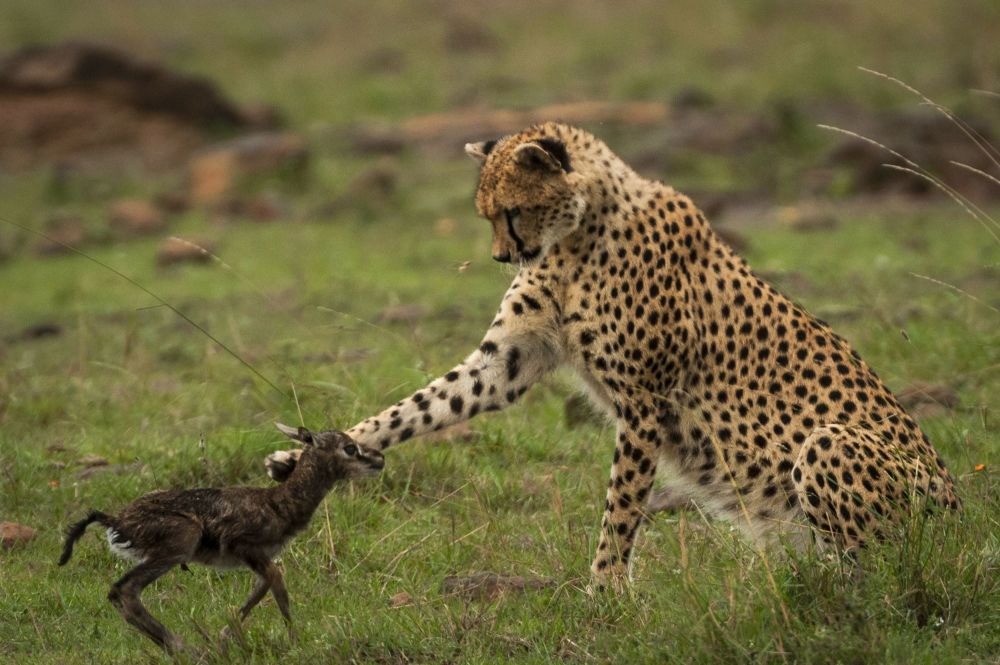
[
  {"x": 300, "y": 434},
  {"x": 479, "y": 151},
  {"x": 533, "y": 156}
]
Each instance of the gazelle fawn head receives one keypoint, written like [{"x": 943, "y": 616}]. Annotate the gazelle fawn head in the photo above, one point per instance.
[{"x": 332, "y": 450}]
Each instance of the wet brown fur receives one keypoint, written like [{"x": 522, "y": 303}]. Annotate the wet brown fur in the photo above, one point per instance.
[{"x": 223, "y": 527}]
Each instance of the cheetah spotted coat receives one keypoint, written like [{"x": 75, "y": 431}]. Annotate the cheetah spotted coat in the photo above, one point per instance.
[{"x": 741, "y": 400}]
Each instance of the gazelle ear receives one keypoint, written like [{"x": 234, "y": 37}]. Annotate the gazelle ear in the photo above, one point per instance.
[
  {"x": 300, "y": 434},
  {"x": 479, "y": 151}
]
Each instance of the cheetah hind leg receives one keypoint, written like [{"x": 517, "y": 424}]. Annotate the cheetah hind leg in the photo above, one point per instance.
[{"x": 851, "y": 484}]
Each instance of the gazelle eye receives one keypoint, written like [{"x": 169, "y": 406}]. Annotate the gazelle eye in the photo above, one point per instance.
[
  {"x": 512, "y": 214},
  {"x": 351, "y": 449}
]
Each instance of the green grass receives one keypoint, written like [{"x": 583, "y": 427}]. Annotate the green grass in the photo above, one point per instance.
[{"x": 131, "y": 382}]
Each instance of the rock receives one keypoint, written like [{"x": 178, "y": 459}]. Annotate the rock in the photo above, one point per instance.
[
  {"x": 401, "y": 599},
  {"x": 266, "y": 207},
  {"x": 403, "y": 314},
  {"x": 214, "y": 173},
  {"x": 12, "y": 533},
  {"x": 578, "y": 412},
  {"x": 136, "y": 217},
  {"x": 176, "y": 250},
  {"x": 490, "y": 586},
  {"x": 62, "y": 230}
]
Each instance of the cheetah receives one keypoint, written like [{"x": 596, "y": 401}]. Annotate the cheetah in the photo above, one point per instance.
[{"x": 742, "y": 401}]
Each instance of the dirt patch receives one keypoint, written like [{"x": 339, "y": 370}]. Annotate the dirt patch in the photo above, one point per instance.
[{"x": 88, "y": 105}]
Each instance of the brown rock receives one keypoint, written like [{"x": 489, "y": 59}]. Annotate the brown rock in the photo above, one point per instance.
[
  {"x": 12, "y": 533},
  {"x": 136, "y": 217},
  {"x": 62, "y": 230},
  {"x": 266, "y": 207},
  {"x": 490, "y": 586},
  {"x": 213, "y": 174},
  {"x": 176, "y": 250},
  {"x": 401, "y": 599}
]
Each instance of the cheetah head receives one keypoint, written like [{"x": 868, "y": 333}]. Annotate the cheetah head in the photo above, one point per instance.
[{"x": 529, "y": 192}]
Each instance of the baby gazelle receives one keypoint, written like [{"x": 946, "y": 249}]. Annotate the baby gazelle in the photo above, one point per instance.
[{"x": 228, "y": 527}]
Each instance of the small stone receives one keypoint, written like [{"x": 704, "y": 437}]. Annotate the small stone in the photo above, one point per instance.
[
  {"x": 12, "y": 533},
  {"x": 258, "y": 208},
  {"x": 62, "y": 230},
  {"x": 136, "y": 217},
  {"x": 401, "y": 599},
  {"x": 175, "y": 250}
]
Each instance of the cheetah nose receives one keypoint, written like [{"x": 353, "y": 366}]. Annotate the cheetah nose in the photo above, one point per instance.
[{"x": 502, "y": 258}]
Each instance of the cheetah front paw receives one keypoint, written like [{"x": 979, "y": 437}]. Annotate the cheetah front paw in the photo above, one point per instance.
[
  {"x": 608, "y": 579},
  {"x": 280, "y": 464}
]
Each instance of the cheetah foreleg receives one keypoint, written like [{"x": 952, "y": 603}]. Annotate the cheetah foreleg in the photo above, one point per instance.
[
  {"x": 491, "y": 378},
  {"x": 632, "y": 474}
]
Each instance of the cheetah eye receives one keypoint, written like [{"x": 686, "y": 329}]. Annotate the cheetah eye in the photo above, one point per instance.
[
  {"x": 512, "y": 214},
  {"x": 351, "y": 449}
]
